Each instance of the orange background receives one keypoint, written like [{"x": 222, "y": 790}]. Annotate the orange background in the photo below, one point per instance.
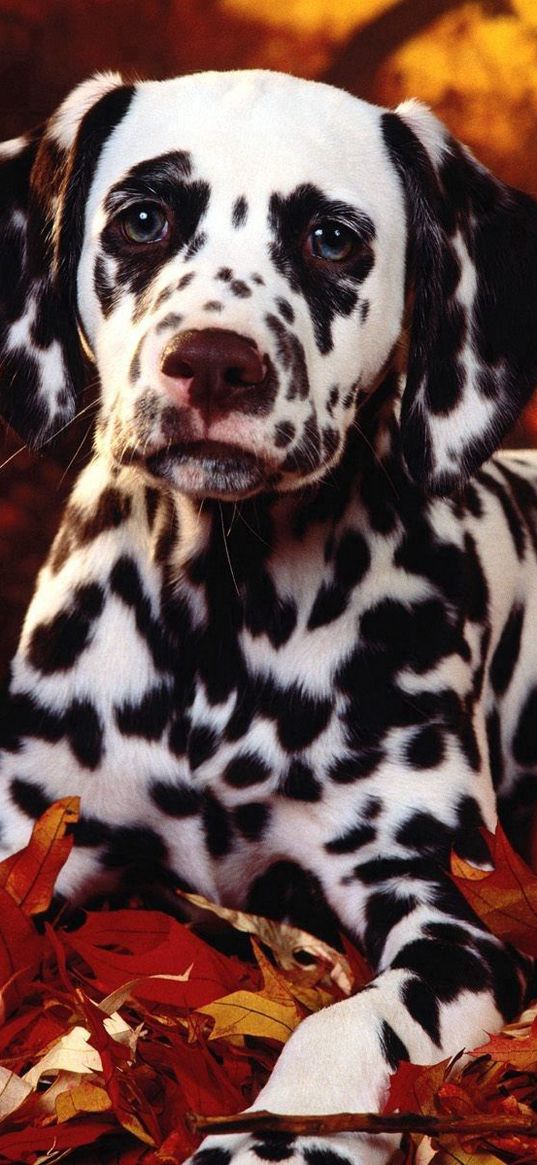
[{"x": 475, "y": 63}]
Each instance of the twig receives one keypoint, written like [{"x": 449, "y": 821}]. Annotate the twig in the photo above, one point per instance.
[{"x": 363, "y": 1122}]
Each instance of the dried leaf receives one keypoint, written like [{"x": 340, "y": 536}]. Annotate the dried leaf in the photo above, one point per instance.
[
  {"x": 506, "y": 898},
  {"x": 13, "y": 1091},
  {"x": 288, "y": 943},
  {"x": 83, "y": 1097},
  {"x": 30, "y": 875},
  {"x": 247, "y": 1013}
]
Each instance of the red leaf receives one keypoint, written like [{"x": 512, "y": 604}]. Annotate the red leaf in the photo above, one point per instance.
[
  {"x": 21, "y": 949},
  {"x": 506, "y": 898},
  {"x": 145, "y": 943}
]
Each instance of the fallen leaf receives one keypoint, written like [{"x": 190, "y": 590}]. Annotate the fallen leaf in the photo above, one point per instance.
[
  {"x": 505, "y": 899},
  {"x": 30, "y": 875},
  {"x": 288, "y": 943},
  {"x": 13, "y": 1091},
  {"x": 83, "y": 1097}
]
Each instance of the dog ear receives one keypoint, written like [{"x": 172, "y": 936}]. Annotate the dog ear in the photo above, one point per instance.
[
  {"x": 44, "y": 180},
  {"x": 472, "y": 292}
]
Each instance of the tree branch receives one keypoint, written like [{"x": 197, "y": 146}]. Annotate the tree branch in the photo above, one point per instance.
[{"x": 364, "y": 1122}]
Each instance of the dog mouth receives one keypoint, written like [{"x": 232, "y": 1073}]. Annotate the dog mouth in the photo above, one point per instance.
[{"x": 211, "y": 468}]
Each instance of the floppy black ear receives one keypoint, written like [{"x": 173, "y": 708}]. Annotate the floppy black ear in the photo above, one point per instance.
[
  {"x": 44, "y": 179},
  {"x": 472, "y": 271}
]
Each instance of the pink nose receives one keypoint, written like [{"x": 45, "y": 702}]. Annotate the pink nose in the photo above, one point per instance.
[{"x": 222, "y": 366}]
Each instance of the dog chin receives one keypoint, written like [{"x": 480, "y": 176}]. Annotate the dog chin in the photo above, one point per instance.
[{"x": 211, "y": 469}]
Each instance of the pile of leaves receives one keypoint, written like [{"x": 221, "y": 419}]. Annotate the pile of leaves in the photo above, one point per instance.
[
  {"x": 115, "y": 1029},
  {"x": 123, "y": 1025}
]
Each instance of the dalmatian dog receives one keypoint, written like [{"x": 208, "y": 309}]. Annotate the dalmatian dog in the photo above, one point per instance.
[{"x": 282, "y": 645}]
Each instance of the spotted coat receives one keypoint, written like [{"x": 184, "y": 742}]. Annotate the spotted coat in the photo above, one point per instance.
[{"x": 282, "y": 645}]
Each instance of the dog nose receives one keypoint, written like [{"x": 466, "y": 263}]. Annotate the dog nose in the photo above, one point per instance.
[{"x": 220, "y": 364}]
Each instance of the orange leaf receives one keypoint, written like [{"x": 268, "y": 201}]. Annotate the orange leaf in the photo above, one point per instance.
[
  {"x": 85, "y": 1097},
  {"x": 521, "y": 1053},
  {"x": 30, "y": 875},
  {"x": 505, "y": 899}
]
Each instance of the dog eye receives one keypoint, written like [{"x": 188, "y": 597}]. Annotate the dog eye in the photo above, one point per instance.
[
  {"x": 144, "y": 223},
  {"x": 331, "y": 241}
]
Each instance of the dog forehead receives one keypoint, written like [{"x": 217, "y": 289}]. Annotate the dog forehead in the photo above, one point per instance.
[{"x": 254, "y": 131}]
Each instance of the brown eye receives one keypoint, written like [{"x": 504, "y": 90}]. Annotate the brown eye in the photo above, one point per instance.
[
  {"x": 145, "y": 223},
  {"x": 331, "y": 241}
]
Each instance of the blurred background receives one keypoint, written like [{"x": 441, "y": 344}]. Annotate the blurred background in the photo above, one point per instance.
[{"x": 474, "y": 63}]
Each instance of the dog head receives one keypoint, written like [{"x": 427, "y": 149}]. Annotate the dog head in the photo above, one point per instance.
[{"x": 240, "y": 254}]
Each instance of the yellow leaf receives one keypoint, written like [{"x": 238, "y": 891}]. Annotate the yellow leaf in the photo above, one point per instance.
[
  {"x": 248, "y": 1013},
  {"x": 83, "y": 1097}
]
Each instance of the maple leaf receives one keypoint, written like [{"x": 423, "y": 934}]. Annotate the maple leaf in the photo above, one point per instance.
[{"x": 505, "y": 898}]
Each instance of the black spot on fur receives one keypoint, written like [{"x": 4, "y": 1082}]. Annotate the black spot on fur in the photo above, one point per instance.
[
  {"x": 267, "y": 613},
  {"x": 217, "y": 825},
  {"x": 300, "y": 784},
  {"x": 239, "y": 213},
  {"x": 176, "y": 800},
  {"x": 136, "y": 847},
  {"x": 202, "y": 745},
  {"x": 166, "y": 178},
  {"x": 85, "y": 732},
  {"x": 494, "y": 740},
  {"x": 239, "y": 288},
  {"x": 393, "y": 1048},
  {"x": 247, "y": 768},
  {"x": 525, "y": 738},
  {"x": 384, "y": 909},
  {"x": 56, "y": 645},
  {"x": 274, "y": 1146},
  {"x": 507, "y": 651},
  {"x": 252, "y": 820},
  {"x": 287, "y": 891},
  {"x": 173, "y": 319},
  {"x": 352, "y": 839},
  {"x": 30, "y": 798},
  {"x": 126, "y": 583},
  {"x": 328, "y": 291},
  {"x": 422, "y": 1005},
  {"x": 146, "y": 717},
  {"x": 330, "y": 602},
  {"x": 285, "y": 310},
  {"x": 446, "y": 967},
  {"x": 511, "y": 511},
  {"x": 353, "y": 768},
  {"x": 425, "y": 749},
  {"x": 291, "y": 356},
  {"x": 214, "y": 1156},
  {"x": 104, "y": 288},
  {"x": 325, "y": 1157}
]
